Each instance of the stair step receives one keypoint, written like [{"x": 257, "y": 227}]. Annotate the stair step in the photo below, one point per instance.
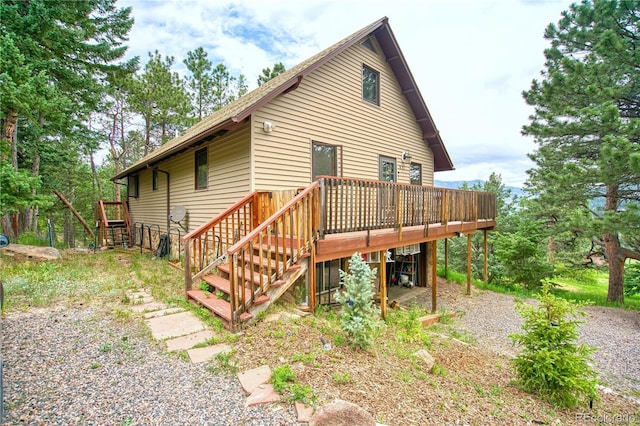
[
  {"x": 263, "y": 298},
  {"x": 220, "y": 307},
  {"x": 278, "y": 283},
  {"x": 217, "y": 282},
  {"x": 294, "y": 267},
  {"x": 281, "y": 250},
  {"x": 249, "y": 275},
  {"x": 256, "y": 261},
  {"x": 223, "y": 285}
]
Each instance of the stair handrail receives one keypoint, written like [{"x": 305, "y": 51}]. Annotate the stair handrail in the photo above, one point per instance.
[
  {"x": 219, "y": 218},
  {"x": 270, "y": 220},
  {"x": 192, "y": 236},
  {"x": 237, "y": 298}
]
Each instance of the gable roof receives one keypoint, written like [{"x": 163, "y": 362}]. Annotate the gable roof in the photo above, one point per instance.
[{"x": 232, "y": 115}]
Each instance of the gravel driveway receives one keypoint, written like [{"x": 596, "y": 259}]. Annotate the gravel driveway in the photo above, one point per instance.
[
  {"x": 490, "y": 317},
  {"x": 81, "y": 367}
]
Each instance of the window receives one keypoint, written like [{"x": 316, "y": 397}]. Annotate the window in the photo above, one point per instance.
[
  {"x": 202, "y": 169},
  {"x": 387, "y": 169},
  {"x": 415, "y": 174},
  {"x": 324, "y": 160},
  {"x": 132, "y": 186},
  {"x": 154, "y": 180},
  {"x": 370, "y": 85}
]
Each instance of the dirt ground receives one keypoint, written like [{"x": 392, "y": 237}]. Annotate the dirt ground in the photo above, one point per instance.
[{"x": 470, "y": 384}]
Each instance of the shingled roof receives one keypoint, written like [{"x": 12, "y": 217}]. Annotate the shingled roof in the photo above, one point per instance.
[{"x": 229, "y": 117}]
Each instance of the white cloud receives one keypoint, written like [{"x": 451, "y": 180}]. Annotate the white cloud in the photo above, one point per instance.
[{"x": 471, "y": 59}]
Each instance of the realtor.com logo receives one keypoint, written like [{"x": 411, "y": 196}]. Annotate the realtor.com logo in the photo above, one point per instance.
[{"x": 622, "y": 418}]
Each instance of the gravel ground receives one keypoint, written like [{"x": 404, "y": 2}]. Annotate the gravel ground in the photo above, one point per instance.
[
  {"x": 490, "y": 317},
  {"x": 84, "y": 367}
]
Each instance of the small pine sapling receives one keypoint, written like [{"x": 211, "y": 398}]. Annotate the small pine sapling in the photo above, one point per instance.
[
  {"x": 358, "y": 317},
  {"x": 551, "y": 363}
]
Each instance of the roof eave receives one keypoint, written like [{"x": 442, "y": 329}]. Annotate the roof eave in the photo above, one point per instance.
[
  {"x": 397, "y": 62},
  {"x": 151, "y": 160}
]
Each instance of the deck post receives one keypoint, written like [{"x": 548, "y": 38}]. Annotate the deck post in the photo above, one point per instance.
[
  {"x": 187, "y": 266},
  {"x": 382, "y": 270},
  {"x": 468, "y": 264},
  {"x": 434, "y": 275},
  {"x": 312, "y": 278},
  {"x": 486, "y": 263},
  {"x": 446, "y": 258}
]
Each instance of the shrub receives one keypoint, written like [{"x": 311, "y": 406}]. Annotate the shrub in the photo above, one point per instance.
[
  {"x": 632, "y": 279},
  {"x": 357, "y": 316},
  {"x": 551, "y": 363}
]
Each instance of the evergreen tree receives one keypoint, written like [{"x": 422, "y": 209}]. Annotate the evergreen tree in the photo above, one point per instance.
[
  {"x": 357, "y": 317},
  {"x": 268, "y": 73},
  {"x": 54, "y": 56},
  {"x": 160, "y": 97},
  {"x": 200, "y": 82},
  {"x": 587, "y": 127}
]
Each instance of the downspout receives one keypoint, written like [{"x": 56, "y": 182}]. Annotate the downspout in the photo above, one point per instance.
[{"x": 168, "y": 195}]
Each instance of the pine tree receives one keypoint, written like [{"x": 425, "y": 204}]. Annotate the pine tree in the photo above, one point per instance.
[
  {"x": 358, "y": 316},
  {"x": 587, "y": 127}
]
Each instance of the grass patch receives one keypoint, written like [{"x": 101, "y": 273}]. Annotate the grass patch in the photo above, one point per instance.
[
  {"x": 88, "y": 278},
  {"x": 585, "y": 286}
]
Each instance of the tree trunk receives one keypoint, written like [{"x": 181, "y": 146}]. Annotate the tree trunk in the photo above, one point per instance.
[
  {"x": 31, "y": 213},
  {"x": 10, "y": 137},
  {"x": 69, "y": 231},
  {"x": 9, "y": 132},
  {"x": 613, "y": 251},
  {"x": 616, "y": 268}
]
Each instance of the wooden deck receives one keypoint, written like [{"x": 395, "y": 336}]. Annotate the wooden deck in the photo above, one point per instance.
[
  {"x": 334, "y": 246},
  {"x": 261, "y": 247}
]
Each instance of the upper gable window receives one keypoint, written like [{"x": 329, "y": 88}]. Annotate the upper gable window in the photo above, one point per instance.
[
  {"x": 370, "y": 85},
  {"x": 369, "y": 45}
]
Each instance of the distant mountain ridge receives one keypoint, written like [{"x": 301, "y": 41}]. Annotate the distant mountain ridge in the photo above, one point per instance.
[{"x": 456, "y": 184}]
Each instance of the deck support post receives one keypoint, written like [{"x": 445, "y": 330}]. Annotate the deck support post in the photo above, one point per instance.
[
  {"x": 434, "y": 275},
  {"x": 188, "y": 282},
  {"x": 486, "y": 262},
  {"x": 446, "y": 258},
  {"x": 382, "y": 270},
  {"x": 311, "y": 273},
  {"x": 469, "y": 264}
]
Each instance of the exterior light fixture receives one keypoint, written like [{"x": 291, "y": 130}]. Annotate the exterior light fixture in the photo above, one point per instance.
[
  {"x": 268, "y": 126},
  {"x": 406, "y": 157}
]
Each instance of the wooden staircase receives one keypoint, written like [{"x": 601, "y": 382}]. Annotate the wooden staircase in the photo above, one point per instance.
[
  {"x": 113, "y": 224},
  {"x": 258, "y": 263},
  {"x": 217, "y": 296}
]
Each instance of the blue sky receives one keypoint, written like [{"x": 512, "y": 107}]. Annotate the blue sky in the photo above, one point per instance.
[{"x": 471, "y": 58}]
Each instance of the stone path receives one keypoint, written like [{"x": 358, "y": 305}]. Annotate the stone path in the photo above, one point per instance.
[{"x": 181, "y": 330}]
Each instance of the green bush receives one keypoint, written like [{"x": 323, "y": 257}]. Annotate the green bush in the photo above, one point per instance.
[
  {"x": 632, "y": 279},
  {"x": 358, "y": 314},
  {"x": 551, "y": 363}
]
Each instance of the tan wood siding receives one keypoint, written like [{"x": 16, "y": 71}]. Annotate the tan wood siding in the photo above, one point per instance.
[
  {"x": 229, "y": 180},
  {"x": 328, "y": 107}
]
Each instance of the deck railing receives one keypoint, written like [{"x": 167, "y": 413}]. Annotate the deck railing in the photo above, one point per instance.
[
  {"x": 260, "y": 249},
  {"x": 206, "y": 246},
  {"x": 273, "y": 247},
  {"x": 350, "y": 205}
]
